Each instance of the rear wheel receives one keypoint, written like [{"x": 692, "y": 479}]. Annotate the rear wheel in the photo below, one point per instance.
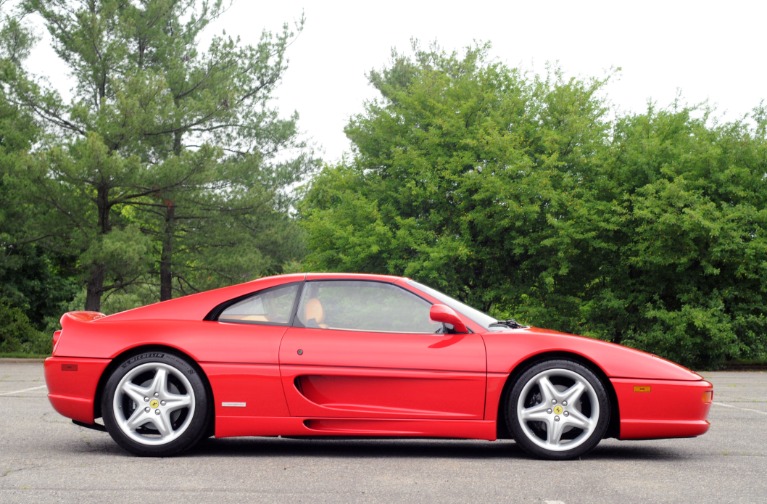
[
  {"x": 557, "y": 409},
  {"x": 155, "y": 404}
]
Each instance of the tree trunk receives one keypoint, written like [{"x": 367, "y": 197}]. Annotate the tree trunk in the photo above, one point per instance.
[
  {"x": 95, "y": 284},
  {"x": 95, "y": 288},
  {"x": 166, "y": 255}
]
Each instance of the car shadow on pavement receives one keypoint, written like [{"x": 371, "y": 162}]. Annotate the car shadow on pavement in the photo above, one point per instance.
[{"x": 417, "y": 448}]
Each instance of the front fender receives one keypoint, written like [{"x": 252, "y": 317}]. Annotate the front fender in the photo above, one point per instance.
[{"x": 507, "y": 349}]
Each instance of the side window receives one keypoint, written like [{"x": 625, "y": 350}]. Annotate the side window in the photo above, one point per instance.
[
  {"x": 364, "y": 306},
  {"x": 271, "y": 306}
]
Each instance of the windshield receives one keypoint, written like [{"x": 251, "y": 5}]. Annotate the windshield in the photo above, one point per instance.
[{"x": 475, "y": 315}]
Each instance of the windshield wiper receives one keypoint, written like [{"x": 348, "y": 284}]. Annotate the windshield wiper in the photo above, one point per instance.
[{"x": 510, "y": 323}]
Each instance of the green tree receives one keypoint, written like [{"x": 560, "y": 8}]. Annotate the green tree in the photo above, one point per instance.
[
  {"x": 693, "y": 258},
  {"x": 33, "y": 286},
  {"x": 155, "y": 126},
  {"x": 521, "y": 196},
  {"x": 17, "y": 335},
  {"x": 462, "y": 169},
  {"x": 239, "y": 230}
]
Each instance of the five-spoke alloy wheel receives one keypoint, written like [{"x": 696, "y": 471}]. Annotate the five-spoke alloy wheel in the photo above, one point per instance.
[
  {"x": 155, "y": 404},
  {"x": 557, "y": 409}
]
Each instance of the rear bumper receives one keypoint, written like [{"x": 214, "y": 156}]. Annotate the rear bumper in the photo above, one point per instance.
[
  {"x": 654, "y": 409},
  {"x": 72, "y": 386}
]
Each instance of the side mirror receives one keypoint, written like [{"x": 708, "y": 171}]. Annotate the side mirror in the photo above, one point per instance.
[{"x": 448, "y": 316}]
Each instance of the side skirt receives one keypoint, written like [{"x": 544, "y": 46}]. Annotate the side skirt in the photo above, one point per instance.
[{"x": 231, "y": 426}]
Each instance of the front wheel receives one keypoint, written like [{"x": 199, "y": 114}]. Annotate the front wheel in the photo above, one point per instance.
[
  {"x": 155, "y": 404},
  {"x": 557, "y": 409}
]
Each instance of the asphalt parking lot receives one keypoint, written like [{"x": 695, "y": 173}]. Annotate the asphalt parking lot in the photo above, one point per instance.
[{"x": 45, "y": 458}]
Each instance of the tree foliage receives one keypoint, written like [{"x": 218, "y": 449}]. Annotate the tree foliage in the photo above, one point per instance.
[
  {"x": 526, "y": 196},
  {"x": 165, "y": 154}
]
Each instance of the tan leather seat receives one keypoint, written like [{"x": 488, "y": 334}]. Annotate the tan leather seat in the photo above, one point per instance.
[{"x": 314, "y": 314}]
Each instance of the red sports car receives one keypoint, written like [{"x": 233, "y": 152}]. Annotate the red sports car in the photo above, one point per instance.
[{"x": 362, "y": 356}]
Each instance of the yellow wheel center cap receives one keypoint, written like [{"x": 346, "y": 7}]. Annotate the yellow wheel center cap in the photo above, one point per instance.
[
  {"x": 154, "y": 403},
  {"x": 557, "y": 409}
]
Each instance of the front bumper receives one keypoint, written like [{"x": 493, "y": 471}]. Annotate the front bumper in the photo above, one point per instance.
[{"x": 653, "y": 409}]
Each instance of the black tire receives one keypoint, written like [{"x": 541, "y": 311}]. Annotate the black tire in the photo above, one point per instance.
[
  {"x": 155, "y": 404},
  {"x": 557, "y": 410}
]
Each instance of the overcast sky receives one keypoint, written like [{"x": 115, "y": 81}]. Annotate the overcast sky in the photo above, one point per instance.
[{"x": 705, "y": 50}]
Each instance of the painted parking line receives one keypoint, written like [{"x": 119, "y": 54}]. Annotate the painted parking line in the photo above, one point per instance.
[
  {"x": 22, "y": 390},
  {"x": 739, "y": 408}
]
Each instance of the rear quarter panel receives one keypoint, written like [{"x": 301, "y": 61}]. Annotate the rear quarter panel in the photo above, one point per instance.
[{"x": 239, "y": 361}]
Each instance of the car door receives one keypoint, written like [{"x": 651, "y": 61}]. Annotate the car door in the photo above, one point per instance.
[{"x": 367, "y": 349}]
